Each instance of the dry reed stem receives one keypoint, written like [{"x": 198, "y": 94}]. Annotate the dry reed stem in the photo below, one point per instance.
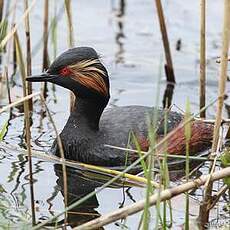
[
  {"x": 45, "y": 64},
  {"x": 219, "y": 61},
  {"x": 14, "y": 8},
  {"x": 204, "y": 212},
  {"x": 202, "y": 55},
  {"x": 45, "y": 60},
  {"x": 212, "y": 121},
  {"x": 27, "y": 122},
  {"x": 223, "y": 73},
  {"x": 61, "y": 153},
  {"x": 28, "y": 53},
  {"x": 14, "y": 29},
  {"x": 169, "y": 66},
  {"x": 139, "y": 206},
  {"x": 213, "y": 164},
  {"x": 70, "y": 23},
  {"x": 7, "y": 83},
  {"x": 1, "y": 8},
  {"x": 218, "y": 195},
  {"x": 21, "y": 100},
  {"x": 3, "y": 79}
]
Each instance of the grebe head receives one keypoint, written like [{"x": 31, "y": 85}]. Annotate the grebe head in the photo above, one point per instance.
[{"x": 79, "y": 70}]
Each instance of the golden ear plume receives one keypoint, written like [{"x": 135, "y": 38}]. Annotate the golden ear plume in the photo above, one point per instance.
[{"x": 88, "y": 73}]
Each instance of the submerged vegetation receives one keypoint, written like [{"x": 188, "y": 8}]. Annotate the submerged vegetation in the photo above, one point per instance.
[{"x": 31, "y": 110}]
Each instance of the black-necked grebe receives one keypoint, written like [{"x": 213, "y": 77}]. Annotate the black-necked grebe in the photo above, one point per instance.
[{"x": 88, "y": 128}]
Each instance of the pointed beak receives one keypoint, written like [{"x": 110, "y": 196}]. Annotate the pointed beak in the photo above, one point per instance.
[{"x": 41, "y": 78}]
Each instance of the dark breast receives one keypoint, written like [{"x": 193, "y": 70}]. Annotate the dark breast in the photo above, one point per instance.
[{"x": 116, "y": 126}]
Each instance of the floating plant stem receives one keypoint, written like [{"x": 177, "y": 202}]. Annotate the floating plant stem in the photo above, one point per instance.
[
  {"x": 202, "y": 55},
  {"x": 28, "y": 53},
  {"x": 204, "y": 212},
  {"x": 27, "y": 122},
  {"x": 169, "y": 64}
]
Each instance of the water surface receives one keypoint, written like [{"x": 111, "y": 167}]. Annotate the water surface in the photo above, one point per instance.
[{"x": 129, "y": 42}]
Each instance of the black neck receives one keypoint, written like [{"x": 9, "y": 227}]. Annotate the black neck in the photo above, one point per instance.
[{"x": 87, "y": 112}]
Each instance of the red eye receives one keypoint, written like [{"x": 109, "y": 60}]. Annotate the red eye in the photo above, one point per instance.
[{"x": 65, "y": 71}]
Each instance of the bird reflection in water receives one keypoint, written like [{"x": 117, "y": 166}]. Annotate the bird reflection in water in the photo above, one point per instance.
[
  {"x": 78, "y": 187},
  {"x": 168, "y": 95},
  {"x": 119, "y": 36},
  {"x": 80, "y": 184}
]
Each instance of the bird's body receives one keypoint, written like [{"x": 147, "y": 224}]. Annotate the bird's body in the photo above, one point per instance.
[
  {"x": 115, "y": 128},
  {"x": 89, "y": 128}
]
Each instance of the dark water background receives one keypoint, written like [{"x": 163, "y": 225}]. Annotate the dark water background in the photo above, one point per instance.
[{"x": 129, "y": 42}]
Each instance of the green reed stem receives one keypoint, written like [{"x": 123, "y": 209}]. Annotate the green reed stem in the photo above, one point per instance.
[
  {"x": 165, "y": 175},
  {"x": 138, "y": 148},
  {"x": 3, "y": 130}
]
